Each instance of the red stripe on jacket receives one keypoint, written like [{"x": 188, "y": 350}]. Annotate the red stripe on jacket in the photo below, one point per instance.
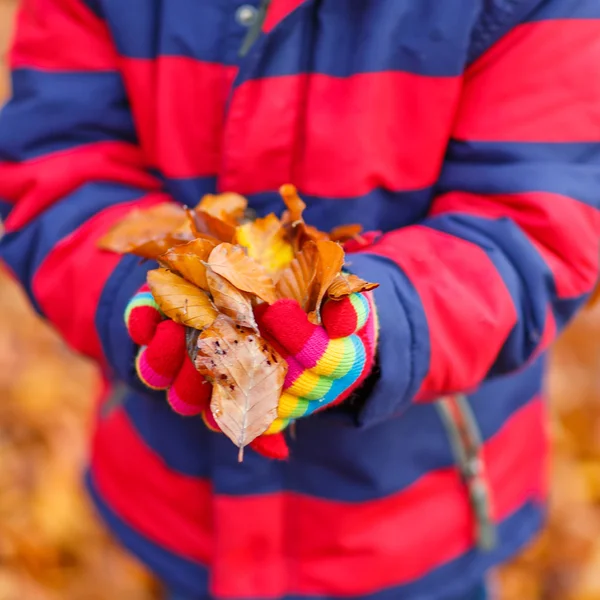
[
  {"x": 527, "y": 81},
  {"x": 561, "y": 229},
  {"x": 368, "y": 114},
  {"x": 47, "y": 32},
  {"x": 37, "y": 184},
  {"x": 309, "y": 545},
  {"x": 468, "y": 303},
  {"x": 398, "y": 539},
  {"x": 169, "y": 508},
  {"x": 178, "y": 144}
]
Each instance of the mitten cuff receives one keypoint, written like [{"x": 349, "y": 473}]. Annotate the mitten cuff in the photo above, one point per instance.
[{"x": 397, "y": 379}]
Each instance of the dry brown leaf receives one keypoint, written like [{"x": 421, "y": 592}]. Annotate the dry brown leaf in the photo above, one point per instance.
[
  {"x": 296, "y": 281},
  {"x": 204, "y": 225},
  {"x": 343, "y": 233},
  {"x": 228, "y": 207},
  {"x": 344, "y": 285},
  {"x": 329, "y": 265},
  {"x": 247, "y": 376},
  {"x": 308, "y": 233},
  {"x": 298, "y": 232},
  {"x": 230, "y": 301},
  {"x": 242, "y": 271},
  {"x": 181, "y": 300},
  {"x": 148, "y": 232},
  {"x": 266, "y": 242},
  {"x": 188, "y": 260},
  {"x": 293, "y": 202}
]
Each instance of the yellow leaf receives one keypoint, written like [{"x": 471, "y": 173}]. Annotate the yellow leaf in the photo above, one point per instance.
[{"x": 266, "y": 242}]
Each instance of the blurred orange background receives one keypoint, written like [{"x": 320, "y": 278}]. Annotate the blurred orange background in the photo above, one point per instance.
[{"x": 53, "y": 548}]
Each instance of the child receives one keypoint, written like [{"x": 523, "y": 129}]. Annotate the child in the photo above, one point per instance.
[{"x": 466, "y": 131}]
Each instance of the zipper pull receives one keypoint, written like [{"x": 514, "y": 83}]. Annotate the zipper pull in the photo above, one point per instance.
[
  {"x": 255, "y": 28},
  {"x": 465, "y": 441}
]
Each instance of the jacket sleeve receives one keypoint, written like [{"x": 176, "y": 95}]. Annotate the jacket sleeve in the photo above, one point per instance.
[
  {"x": 510, "y": 247},
  {"x": 70, "y": 167}
]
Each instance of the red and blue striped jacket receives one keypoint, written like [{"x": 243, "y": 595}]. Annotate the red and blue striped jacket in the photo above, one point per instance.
[{"x": 467, "y": 131}]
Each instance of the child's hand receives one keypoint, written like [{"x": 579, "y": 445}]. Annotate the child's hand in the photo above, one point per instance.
[
  {"x": 326, "y": 363},
  {"x": 162, "y": 362}
]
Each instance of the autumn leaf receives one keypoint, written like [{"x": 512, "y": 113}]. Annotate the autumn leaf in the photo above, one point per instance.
[
  {"x": 296, "y": 281},
  {"x": 595, "y": 296},
  {"x": 227, "y": 207},
  {"x": 205, "y": 225},
  {"x": 247, "y": 376},
  {"x": 188, "y": 260},
  {"x": 299, "y": 233},
  {"x": 232, "y": 263},
  {"x": 266, "y": 242},
  {"x": 148, "y": 233},
  {"x": 310, "y": 274},
  {"x": 344, "y": 285},
  {"x": 181, "y": 300},
  {"x": 330, "y": 260},
  {"x": 294, "y": 204},
  {"x": 343, "y": 233},
  {"x": 308, "y": 233},
  {"x": 230, "y": 301}
]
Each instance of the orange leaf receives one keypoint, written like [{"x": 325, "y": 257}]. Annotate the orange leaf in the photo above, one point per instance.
[
  {"x": 343, "y": 233},
  {"x": 148, "y": 233},
  {"x": 265, "y": 240},
  {"x": 295, "y": 205},
  {"x": 205, "y": 225},
  {"x": 188, "y": 260},
  {"x": 297, "y": 230},
  {"x": 342, "y": 286},
  {"x": 181, "y": 300},
  {"x": 296, "y": 281},
  {"x": 308, "y": 233},
  {"x": 329, "y": 265},
  {"x": 227, "y": 207},
  {"x": 230, "y": 301},
  {"x": 242, "y": 271},
  {"x": 247, "y": 376}
]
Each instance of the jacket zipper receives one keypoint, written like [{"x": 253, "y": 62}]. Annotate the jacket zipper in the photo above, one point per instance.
[{"x": 255, "y": 29}]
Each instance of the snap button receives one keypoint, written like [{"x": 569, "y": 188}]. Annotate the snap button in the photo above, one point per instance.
[{"x": 245, "y": 15}]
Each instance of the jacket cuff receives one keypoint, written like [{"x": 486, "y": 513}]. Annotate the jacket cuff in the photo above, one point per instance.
[
  {"x": 119, "y": 348},
  {"x": 403, "y": 347}
]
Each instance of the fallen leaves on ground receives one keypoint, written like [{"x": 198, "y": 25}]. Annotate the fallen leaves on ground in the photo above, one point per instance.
[
  {"x": 564, "y": 563},
  {"x": 52, "y": 545}
]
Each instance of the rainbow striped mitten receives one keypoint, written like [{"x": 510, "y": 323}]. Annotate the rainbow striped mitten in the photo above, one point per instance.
[
  {"x": 325, "y": 363},
  {"x": 162, "y": 362}
]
